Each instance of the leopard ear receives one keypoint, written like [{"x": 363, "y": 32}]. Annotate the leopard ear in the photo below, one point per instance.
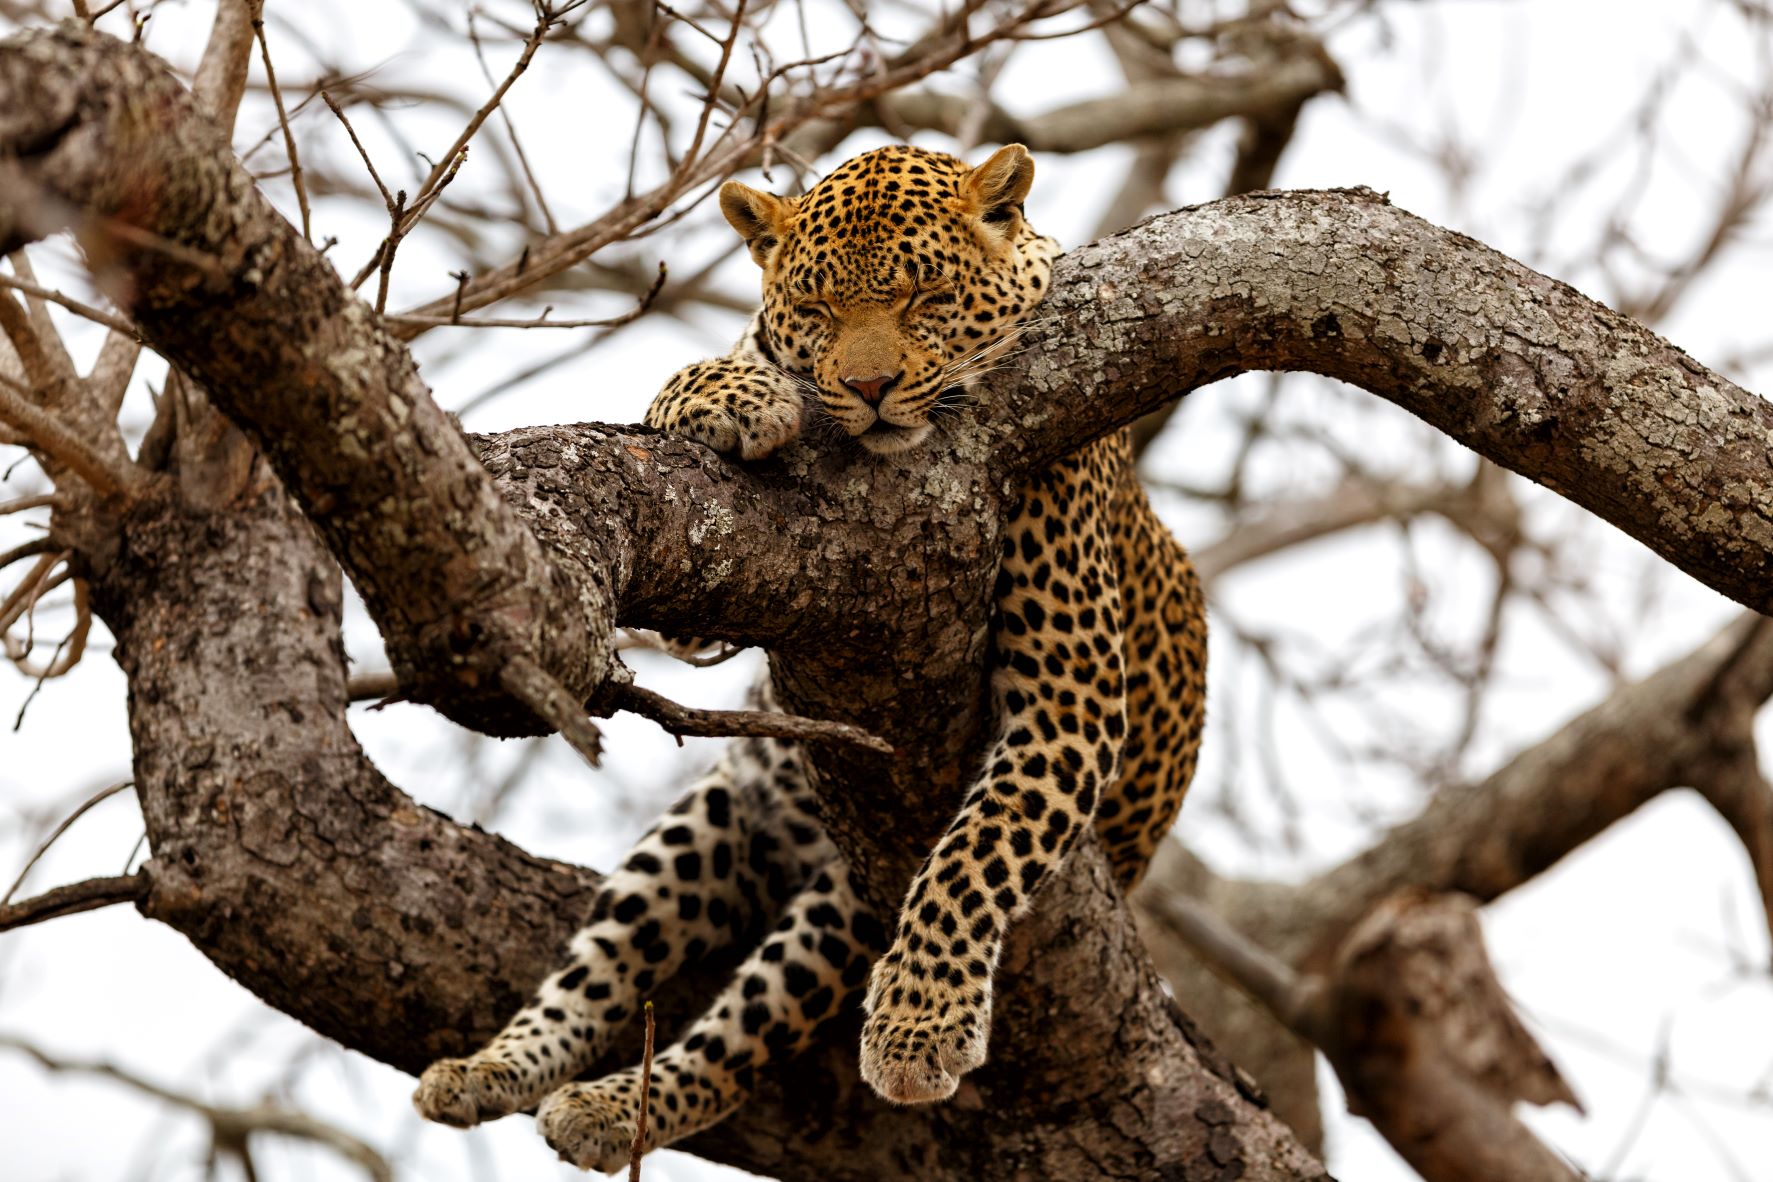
[
  {"x": 759, "y": 217},
  {"x": 999, "y": 185}
]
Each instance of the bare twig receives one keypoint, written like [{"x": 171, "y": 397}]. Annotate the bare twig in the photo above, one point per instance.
[
  {"x": 542, "y": 321},
  {"x": 289, "y": 144},
  {"x": 646, "y": 1089},
  {"x": 49, "y": 374},
  {"x": 545, "y": 20},
  {"x": 73, "y": 899},
  {"x": 675, "y": 718},
  {"x": 229, "y": 1127},
  {"x": 529, "y": 176},
  {"x": 401, "y": 221},
  {"x": 49, "y": 435},
  {"x": 96, "y": 315},
  {"x": 23, "y": 550},
  {"x": 389, "y": 245},
  {"x": 364, "y": 687},
  {"x": 686, "y": 720},
  {"x": 33, "y": 585},
  {"x": 67, "y": 654},
  {"x": 726, "y": 52},
  {"x": 542, "y": 692},
  {"x": 1107, "y": 19},
  {"x": 387, "y": 197},
  {"x": 97, "y": 798}
]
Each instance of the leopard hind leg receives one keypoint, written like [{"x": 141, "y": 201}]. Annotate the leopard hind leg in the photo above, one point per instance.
[
  {"x": 797, "y": 983},
  {"x": 711, "y": 872}
]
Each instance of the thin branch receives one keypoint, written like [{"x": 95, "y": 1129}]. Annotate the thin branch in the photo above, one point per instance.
[
  {"x": 529, "y": 176},
  {"x": 55, "y": 439},
  {"x": 48, "y": 336},
  {"x": 390, "y": 244},
  {"x": 108, "y": 381},
  {"x": 646, "y": 1088},
  {"x": 542, "y": 692},
  {"x": 73, "y": 899},
  {"x": 229, "y": 1127},
  {"x": 726, "y": 52},
  {"x": 289, "y": 144},
  {"x": 1268, "y": 980},
  {"x": 25, "y": 550},
  {"x": 97, "y": 798},
  {"x": 96, "y": 315},
  {"x": 542, "y": 321},
  {"x": 387, "y": 197},
  {"x": 1099, "y": 22},
  {"x": 33, "y": 585},
  {"x": 682, "y": 721},
  {"x": 364, "y": 687},
  {"x": 67, "y": 654},
  {"x": 544, "y": 22},
  {"x": 687, "y": 720},
  {"x": 34, "y": 356}
]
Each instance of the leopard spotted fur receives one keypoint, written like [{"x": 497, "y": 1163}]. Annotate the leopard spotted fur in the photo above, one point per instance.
[{"x": 886, "y": 289}]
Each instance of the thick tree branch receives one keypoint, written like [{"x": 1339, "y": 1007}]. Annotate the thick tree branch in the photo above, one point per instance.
[
  {"x": 283, "y": 854},
  {"x": 1522, "y": 368},
  {"x": 1418, "y": 1028},
  {"x": 1679, "y": 727},
  {"x": 1686, "y": 725},
  {"x": 111, "y": 132},
  {"x": 1519, "y": 367},
  {"x": 1429, "y": 1047},
  {"x": 258, "y": 800}
]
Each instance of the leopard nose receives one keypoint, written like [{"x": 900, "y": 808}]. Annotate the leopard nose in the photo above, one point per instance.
[{"x": 872, "y": 390}]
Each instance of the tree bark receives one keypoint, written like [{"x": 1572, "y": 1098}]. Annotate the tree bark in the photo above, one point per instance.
[{"x": 296, "y": 867}]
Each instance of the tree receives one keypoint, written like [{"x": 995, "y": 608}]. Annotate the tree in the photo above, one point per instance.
[{"x": 497, "y": 568}]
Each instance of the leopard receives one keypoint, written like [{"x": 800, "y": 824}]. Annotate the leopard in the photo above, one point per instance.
[{"x": 888, "y": 288}]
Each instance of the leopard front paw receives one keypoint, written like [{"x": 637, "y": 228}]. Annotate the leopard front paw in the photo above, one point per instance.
[
  {"x": 464, "y": 1092},
  {"x": 921, "y": 1037},
  {"x": 591, "y": 1125},
  {"x": 737, "y": 407}
]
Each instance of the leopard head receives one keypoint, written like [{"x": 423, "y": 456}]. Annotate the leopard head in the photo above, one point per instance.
[{"x": 895, "y": 281}]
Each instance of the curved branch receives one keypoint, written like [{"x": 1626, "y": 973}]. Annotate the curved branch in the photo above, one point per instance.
[{"x": 1521, "y": 368}]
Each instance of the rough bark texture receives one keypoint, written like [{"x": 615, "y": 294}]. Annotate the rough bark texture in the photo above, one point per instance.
[
  {"x": 295, "y": 866},
  {"x": 1677, "y": 728},
  {"x": 1519, "y": 367},
  {"x": 1691, "y": 724},
  {"x": 1429, "y": 1048},
  {"x": 454, "y": 581},
  {"x": 283, "y": 854}
]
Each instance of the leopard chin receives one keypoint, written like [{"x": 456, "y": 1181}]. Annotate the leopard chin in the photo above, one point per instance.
[{"x": 890, "y": 439}]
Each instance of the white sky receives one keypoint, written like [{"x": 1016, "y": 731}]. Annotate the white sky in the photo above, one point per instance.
[{"x": 1639, "y": 942}]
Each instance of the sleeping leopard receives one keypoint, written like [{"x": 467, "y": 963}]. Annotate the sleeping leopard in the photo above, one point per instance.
[{"x": 886, "y": 288}]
